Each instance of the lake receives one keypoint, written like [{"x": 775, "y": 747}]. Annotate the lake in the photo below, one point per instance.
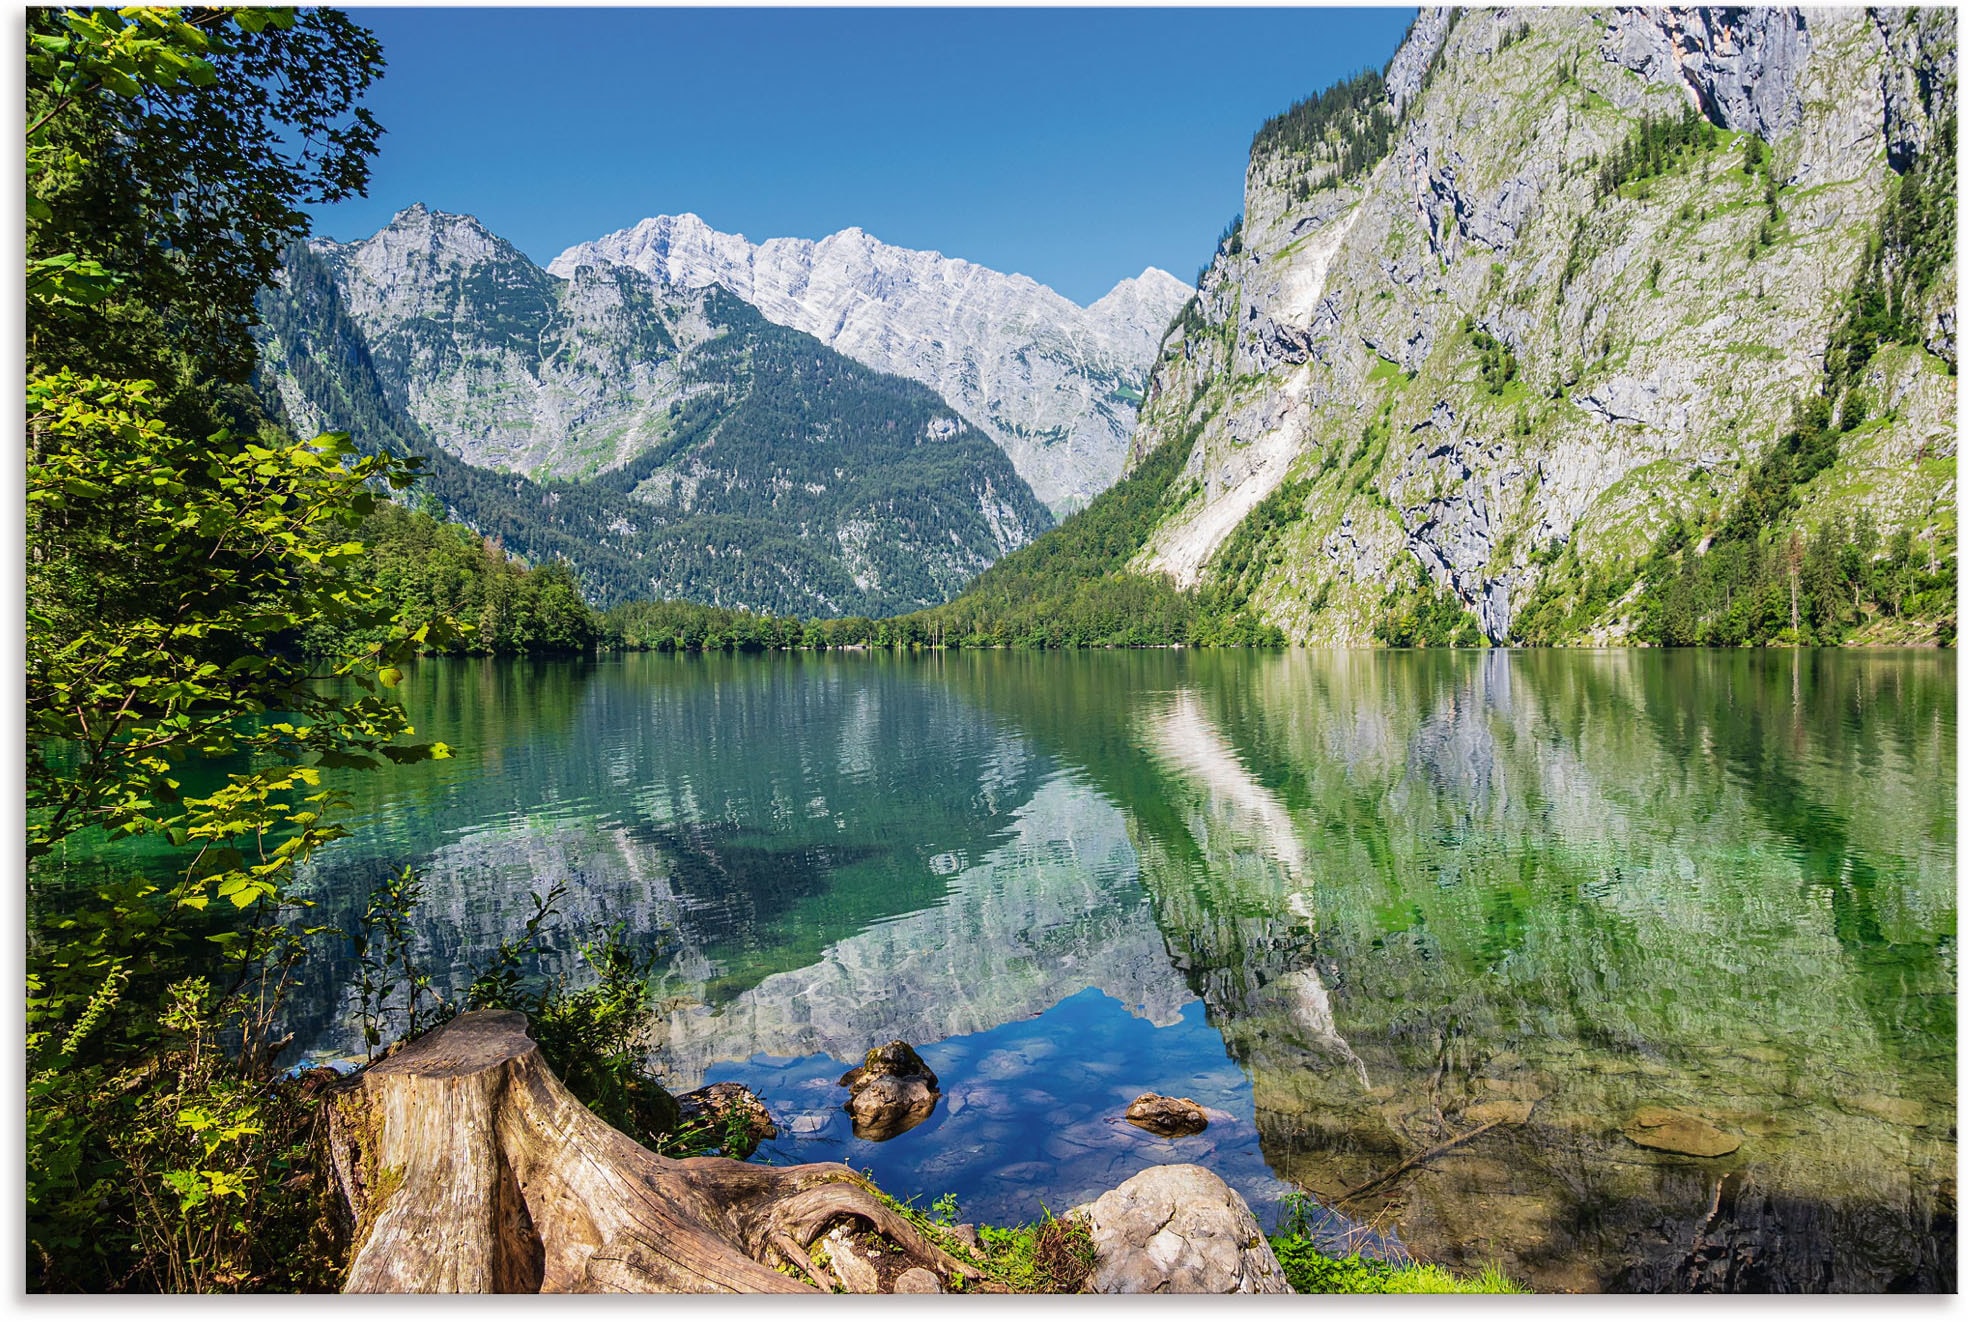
[{"x": 1359, "y": 903}]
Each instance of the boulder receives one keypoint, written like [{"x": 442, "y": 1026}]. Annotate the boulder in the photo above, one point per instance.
[
  {"x": 916, "y": 1280},
  {"x": 1179, "y": 1230},
  {"x": 723, "y": 1108},
  {"x": 890, "y": 1092},
  {"x": 1665, "y": 1130},
  {"x": 1171, "y": 1117}
]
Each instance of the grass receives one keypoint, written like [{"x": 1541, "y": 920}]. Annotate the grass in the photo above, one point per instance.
[
  {"x": 1053, "y": 1255},
  {"x": 1312, "y": 1272}
]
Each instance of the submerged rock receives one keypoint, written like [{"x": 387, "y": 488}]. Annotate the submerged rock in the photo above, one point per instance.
[
  {"x": 890, "y": 1092},
  {"x": 1179, "y": 1230},
  {"x": 1893, "y": 1110},
  {"x": 1684, "y": 1135},
  {"x": 1505, "y": 1110},
  {"x": 1171, "y": 1117}
]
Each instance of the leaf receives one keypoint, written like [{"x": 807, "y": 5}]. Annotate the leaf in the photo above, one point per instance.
[{"x": 121, "y": 83}]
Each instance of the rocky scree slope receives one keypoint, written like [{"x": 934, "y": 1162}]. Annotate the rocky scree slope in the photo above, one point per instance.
[
  {"x": 669, "y": 443},
  {"x": 1054, "y": 384},
  {"x": 1459, "y": 341}
]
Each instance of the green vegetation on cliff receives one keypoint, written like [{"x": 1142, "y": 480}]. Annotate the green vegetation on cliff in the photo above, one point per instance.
[
  {"x": 1757, "y": 575},
  {"x": 1345, "y": 128},
  {"x": 1659, "y": 145},
  {"x": 1073, "y": 584},
  {"x": 1416, "y": 613}
]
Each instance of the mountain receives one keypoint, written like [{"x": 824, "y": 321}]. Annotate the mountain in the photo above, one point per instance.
[
  {"x": 667, "y": 442},
  {"x": 1054, "y": 384},
  {"x": 1560, "y": 327}
]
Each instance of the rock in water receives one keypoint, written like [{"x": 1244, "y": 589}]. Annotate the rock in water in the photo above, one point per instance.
[
  {"x": 1179, "y": 1230},
  {"x": 1671, "y": 1131},
  {"x": 1171, "y": 1117},
  {"x": 891, "y": 1092},
  {"x": 724, "y": 1107}
]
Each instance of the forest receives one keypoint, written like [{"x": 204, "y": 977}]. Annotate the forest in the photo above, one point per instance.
[{"x": 1344, "y": 129}]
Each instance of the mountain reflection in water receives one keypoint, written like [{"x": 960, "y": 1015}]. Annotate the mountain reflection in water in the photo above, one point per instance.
[{"x": 1363, "y": 903}]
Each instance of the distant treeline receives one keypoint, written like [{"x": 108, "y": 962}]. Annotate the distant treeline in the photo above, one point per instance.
[
  {"x": 431, "y": 570},
  {"x": 1069, "y": 588}
]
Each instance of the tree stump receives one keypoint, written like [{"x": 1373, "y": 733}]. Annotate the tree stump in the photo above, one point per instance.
[{"x": 468, "y": 1167}]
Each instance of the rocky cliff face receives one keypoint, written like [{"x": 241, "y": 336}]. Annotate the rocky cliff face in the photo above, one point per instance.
[
  {"x": 509, "y": 367},
  {"x": 1054, "y": 384},
  {"x": 669, "y": 442},
  {"x": 1472, "y": 355}
]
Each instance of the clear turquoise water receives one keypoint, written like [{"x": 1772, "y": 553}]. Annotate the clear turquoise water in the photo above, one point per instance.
[{"x": 1356, "y": 901}]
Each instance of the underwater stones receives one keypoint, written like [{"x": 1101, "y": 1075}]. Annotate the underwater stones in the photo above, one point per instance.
[
  {"x": 1179, "y": 1230},
  {"x": 1761, "y": 1055},
  {"x": 890, "y": 1092},
  {"x": 1502, "y": 1111},
  {"x": 1664, "y": 1130},
  {"x": 1893, "y": 1110},
  {"x": 1170, "y": 1117}
]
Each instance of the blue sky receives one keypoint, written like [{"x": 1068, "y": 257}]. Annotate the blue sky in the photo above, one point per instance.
[{"x": 1075, "y": 146}]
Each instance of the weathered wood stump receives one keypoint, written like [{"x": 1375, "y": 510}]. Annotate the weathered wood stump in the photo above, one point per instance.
[{"x": 467, "y": 1166}]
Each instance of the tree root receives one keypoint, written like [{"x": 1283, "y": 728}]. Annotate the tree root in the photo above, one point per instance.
[{"x": 467, "y": 1166}]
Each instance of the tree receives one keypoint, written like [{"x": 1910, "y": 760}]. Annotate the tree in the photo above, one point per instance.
[
  {"x": 177, "y": 545},
  {"x": 135, "y": 677},
  {"x": 1793, "y": 560},
  {"x": 170, "y": 154}
]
